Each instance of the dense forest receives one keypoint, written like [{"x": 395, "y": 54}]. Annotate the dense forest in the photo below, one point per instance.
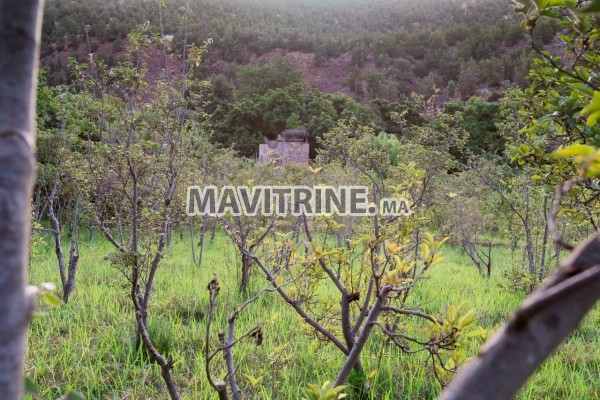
[{"x": 481, "y": 116}]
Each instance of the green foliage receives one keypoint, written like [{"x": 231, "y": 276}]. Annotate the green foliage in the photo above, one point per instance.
[
  {"x": 451, "y": 90},
  {"x": 73, "y": 396},
  {"x": 517, "y": 280},
  {"x": 592, "y": 110},
  {"x": 382, "y": 32},
  {"x": 245, "y": 123},
  {"x": 30, "y": 386},
  {"x": 357, "y": 385},
  {"x": 592, "y": 8},
  {"x": 325, "y": 392},
  {"x": 257, "y": 81},
  {"x": 557, "y": 114},
  {"x": 468, "y": 78},
  {"x": 390, "y": 144},
  {"x": 587, "y": 158},
  {"x": 479, "y": 119},
  {"x": 454, "y": 328},
  {"x": 492, "y": 71}
]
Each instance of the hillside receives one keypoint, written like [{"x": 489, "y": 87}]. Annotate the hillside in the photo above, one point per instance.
[{"x": 367, "y": 50}]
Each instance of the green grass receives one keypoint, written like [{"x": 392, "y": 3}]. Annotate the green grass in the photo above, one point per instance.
[{"x": 88, "y": 344}]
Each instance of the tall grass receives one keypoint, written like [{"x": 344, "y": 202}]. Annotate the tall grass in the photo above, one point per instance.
[{"x": 88, "y": 344}]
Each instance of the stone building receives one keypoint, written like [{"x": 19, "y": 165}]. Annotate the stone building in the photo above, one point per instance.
[{"x": 290, "y": 147}]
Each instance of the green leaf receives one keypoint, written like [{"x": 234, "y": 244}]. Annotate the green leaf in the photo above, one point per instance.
[
  {"x": 252, "y": 380},
  {"x": 545, "y": 118},
  {"x": 52, "y": 299},
  {"x": 30, "y": 386},
  {"x": 592, "y": 110},
  {"x": 593, "y": 118},
  {"x": 450, "y": 364},
  {"x": 583, "y": 88},
  {"x": 75, "y": 396},
  {"x": 574, "y": 150}
]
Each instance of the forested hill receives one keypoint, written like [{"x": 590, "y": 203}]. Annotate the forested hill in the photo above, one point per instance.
[
  {"x": 366, "y": 49},
  {"x": 259, "y": 25}
]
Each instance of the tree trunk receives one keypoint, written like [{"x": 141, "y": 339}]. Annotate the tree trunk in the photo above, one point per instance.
[
  {"x": 37, "y": 208},
  {"x": 246, "y": 262},
  {"x": 529, "y": 251},
  {"x": 201, "y": 242},
  {"x": 354, "y": 356},
  {"x": 530, "y": 336},
  {"x": 192, "y": 240},
  {"x": 72, "y": 269},
  {"x": 528, "y": 240},
  {"x": 19, "y": 50},
  {"x": 56, "y": 235},
  {"x": 228, "y": 355},
  {"x": 169, "y": 235},
  {"x": 542, "y": 266},
  {"x": 67, "y": 275},
  {"x": 489, "y": 260},
  {"x": 222, "y": 390}
]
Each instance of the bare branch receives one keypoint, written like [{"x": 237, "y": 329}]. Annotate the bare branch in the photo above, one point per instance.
[
  {"x": 318, "y": 327},
  {"x": 108, "y": 235}
]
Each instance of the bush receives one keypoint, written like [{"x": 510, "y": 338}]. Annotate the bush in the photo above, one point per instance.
[{"x": 517, "y": 280}]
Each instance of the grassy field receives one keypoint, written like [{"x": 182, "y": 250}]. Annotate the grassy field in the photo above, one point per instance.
[{"x": 88, "y": 344}]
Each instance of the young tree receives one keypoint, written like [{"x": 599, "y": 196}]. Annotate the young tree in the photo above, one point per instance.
[
  {"x": 451, "y": 89},
  {"x": 134, "y": 174},
  {"x": 462, "y": 212},
  {"x": 248, "y": 232},
  {"x": 468, "y": 78},
  {"x": 59, "y": 126},
  {"x": 67, "y": 275},
  {"x": 372, "y": 276},
  {"x": 227, "y": 341}
]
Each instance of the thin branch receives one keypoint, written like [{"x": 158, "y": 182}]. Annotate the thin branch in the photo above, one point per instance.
[{"x": 410, "y": 312}]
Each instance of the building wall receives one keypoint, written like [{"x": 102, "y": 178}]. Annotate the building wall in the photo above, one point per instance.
[{"x": 287, "y": 152}]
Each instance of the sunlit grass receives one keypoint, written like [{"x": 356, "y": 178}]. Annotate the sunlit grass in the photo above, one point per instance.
[{"x": 88, "y": 344}]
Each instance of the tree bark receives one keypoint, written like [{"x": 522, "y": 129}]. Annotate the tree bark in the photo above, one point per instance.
[
  {"x": 542, "y": 266},
  {"x": 228, "y": 355},
  {"x": 534, "y": 331},
  {"x": 201, "y": 242},
  {"x": 246, "y": 263},
  {"x": 192, "y": 240},
  {"x": 56, "y": 233},
  {"x": 222, "y": 390},
  {"x": 72, "y": 269},
  {"x": 19, "y": 51}
]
